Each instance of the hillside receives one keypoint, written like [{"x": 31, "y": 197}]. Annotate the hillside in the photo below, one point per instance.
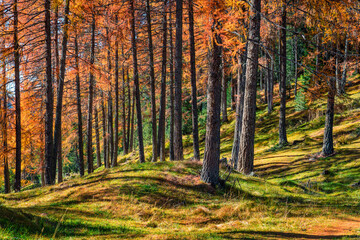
[{"x": 293, "y": 194}]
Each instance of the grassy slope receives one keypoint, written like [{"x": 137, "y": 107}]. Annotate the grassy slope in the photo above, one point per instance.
[{"x": 289, "y": 199}]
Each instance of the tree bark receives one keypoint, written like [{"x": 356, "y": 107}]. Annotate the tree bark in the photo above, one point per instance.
[
  {"x": 239, "y": 108},
  {"x": 282, "y": 86},
  {"x": 172, "y": 111},
  {"x": 246, "y": 152},
  {"x": 161, "y": 134},
  {"x": 60, "y": 93},
  {"x": 152, "y": 84},
  {"x": 90, "y": 100},
  {"x": 136, "y": 83},
  {"x": 130, "y": 110},
  {"x": 105, "y": 141},
  {"x": 194, "y": 108},
  {"x": 296, "y": 65},
  {"x": 79, "y": 113},
  {"x": 132, "y": 122},
  {"x": 328, "y": 144},
  {"x": 178, "y": 144},
  {"x": 97, "y": 138},
  {"x": 111, "y": 131},
  {"x": 49, "y": 158},
  {"x": 210, "y": 169},
  {"x": 4, "y": 128},
  {"x": 116, "y": 120},
  {"x": 223, "y": 89},
  {"x": 124, "y": 122}
]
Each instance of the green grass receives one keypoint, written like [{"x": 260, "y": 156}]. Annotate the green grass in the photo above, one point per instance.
[{"x": 290, "y": 197}]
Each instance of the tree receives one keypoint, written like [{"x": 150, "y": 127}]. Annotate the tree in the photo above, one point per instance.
[
  {"x": 172, "y": 100},
  {"x": 178, "y": 144},
  {"x": 194, "y": 108},
  {"x": 161, "y": 134},
  {"x": 282, "y": 85},
  {"x": 136, "y": 83},
  {"x": 4, "y": 124},
  {"x": 210, "y": 169},
  {"x": 246, "y": 150}
]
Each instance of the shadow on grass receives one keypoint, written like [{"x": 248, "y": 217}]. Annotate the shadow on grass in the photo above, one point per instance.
[{"x": 280, "y": 235}]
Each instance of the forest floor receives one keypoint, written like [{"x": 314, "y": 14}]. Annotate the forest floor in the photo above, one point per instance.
[{"x": 293, "y": 194}]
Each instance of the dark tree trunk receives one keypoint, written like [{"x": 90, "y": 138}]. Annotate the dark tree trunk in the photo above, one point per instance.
[
  {"x": 90, "y": 100},
  {"x": 111, "y": 131},
  {"x": 210, "y": 169},
  {"x": 328, "y": 144},
  {"x": 152, "y": 84},
  {"x": 195, "y": 124},
  {"x": 49, "y": 158},
  {"x": 178, "y": 144},
  {"x": 223, "y": 89},
  {"x": 282, "y": 85},
  {"x": 246, "y": 152},
  {"x": 79, "y": 113},
  {"x": 97, "y": 138},
  {"x": 129, "y": 112},
  {"x": 124, "y": 122},
  {"x": 295, "y": 64},
  {"x": 132, "y": 122},
  {"x": 172, "y": 111},
  {"x": 161, "y": 134},
  {"x": 136, "y": 83},
  {"x": 60, "y": 93},
  {"x": 116, "y": 120},
  {"x": 105, "y": 141},
  {"x": 270, "y": 84},
  {"x": 4, "y": 128},
  {"x": 239, "y": 108}
]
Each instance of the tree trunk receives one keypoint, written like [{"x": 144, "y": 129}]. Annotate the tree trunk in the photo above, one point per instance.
[
  {"x": 328, "y": 144},
  {"x": 125, "y": 132},
  {"x": 136, "y": 83},
  {"x": 129, "y": 112},
  {"x": 49, "y": 158},
  {"x": 172, "y": 111},
  {"x": 296, "y": 64},
  {"x": 90, "y": 100},
  {"x": 4, "y": 128},
  {"x": 161, "y": 134},
  {"x": 210, "y": 169},
  {"x": 132, "y": 122},
  {"x": 105, "y": 141},
  {"x": 223, "y": 89},
  {"x": 116, "y": 120},
  {"x": 111, "y": 131},
  {"x": 152, "y": 84},
  {"x": 79, "y": 114},
  {"x": 194, "y": 108},
  {"x": 270, "y": 84},
  {"x": 239, "y": 108},
  {"x": 246, "y": 152},
  {"x": 233, "y": 93},
  {"x": 60, "y": 93},
  {"x": 178, "y": 144},
  {"x": 282, "y": 85},
  {"x": 341, "y": 82},
  {"x": 97, "y": 138}
]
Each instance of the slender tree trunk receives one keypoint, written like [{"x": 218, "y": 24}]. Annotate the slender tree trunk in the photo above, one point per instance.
[
  {"x": 282, "y": 120},
  {"x": 223, "y": 89},
  {"x": 233, "y": 93},
  {"x": 125, "y": 132},
  {"x": 97, "y": 138},
  {"x": 116, "y": 120},
  {"x": 172, "y": 110},
  {"x": 152, "y": 83},
  {"x": 328, "y": 144},
  {"x": 194, "y": 107},
  {"x": 161, "y": 134},
  {"x": 60, "y": 93},
  {"x": 49, "y": 158},
  {"x": 105, "y": 142},
  {"x": 90, "y": 100},
  {"x": 129, "y": 112},
  {"x": 132, "y": 122},
  {"x": 246, "y": 152},
  {"x": 178, "y": 144},
  {"x": 136, "y": 83},
  {"x": 239, "y": 109},
  {"x": 4, "y": 128},
  {"x": 111, "y": 131},
  {"x": 79, "y": 113},
  {"x": 210, "y": 169},
  {"x": 341, "y": 82},
  {"x": 270, "y": 85},
  {"x": 296, "y": 65}
]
